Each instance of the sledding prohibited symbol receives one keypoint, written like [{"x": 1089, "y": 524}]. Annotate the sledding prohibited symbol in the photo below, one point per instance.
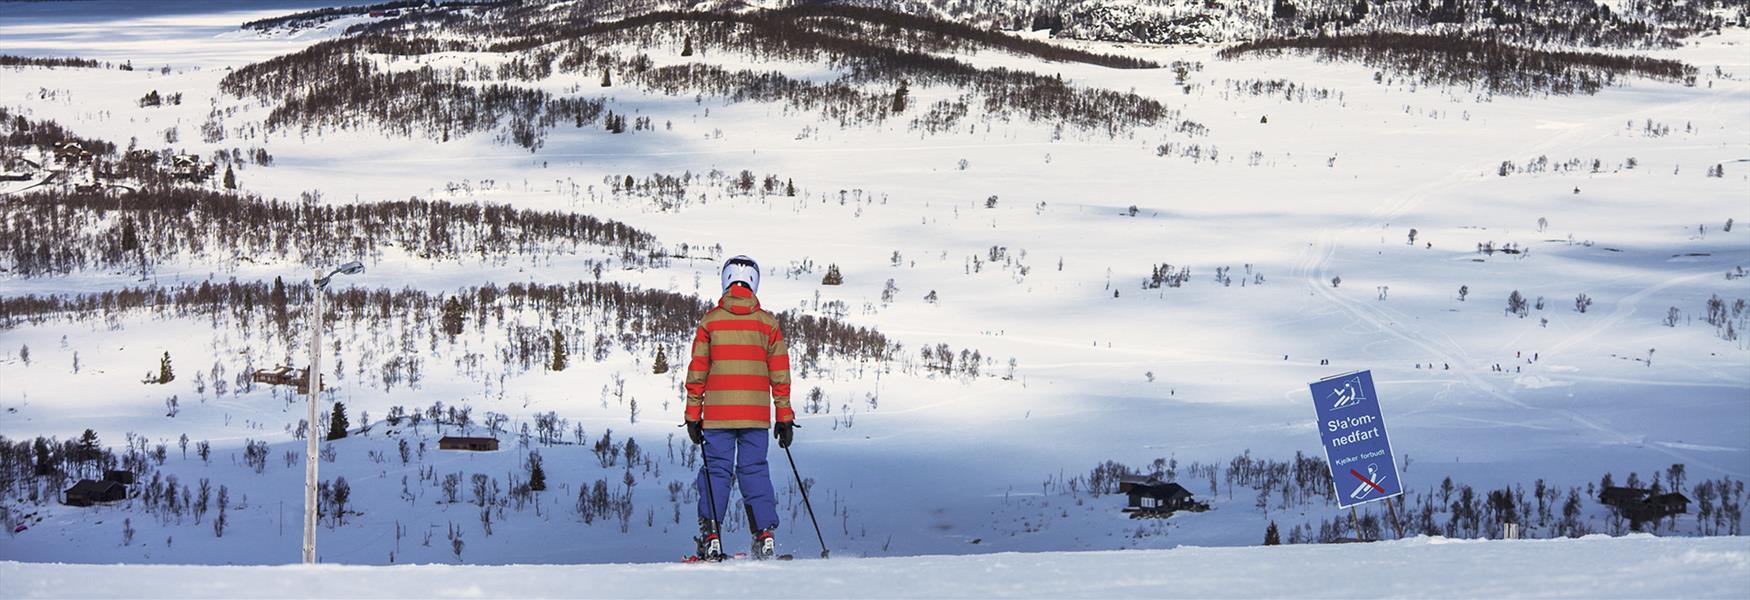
[
  {"x": 1363, "y": 468},
  {"x": 1369, "y": 485}
]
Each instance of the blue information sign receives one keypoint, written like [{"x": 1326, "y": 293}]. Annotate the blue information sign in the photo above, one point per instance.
[{"x": 1363, "y": 468}]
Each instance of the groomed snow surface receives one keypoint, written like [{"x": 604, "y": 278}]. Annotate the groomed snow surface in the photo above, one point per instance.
[{"x": 1638, "y": 566}]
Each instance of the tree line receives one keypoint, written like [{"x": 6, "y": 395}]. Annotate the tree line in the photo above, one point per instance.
[
  {"x": 651, "y": 316},
  {"x": 43, "y": 135},
  {"x": 13, "y": 60},
  {"x": 57, "y": 232},
  {"x": 1494, "y": 65},
  {"x": 1584, "y": 23},
  {"x": 348, "y": 91},
  {"x": 862, "y": 43},
  {"x": 311, "y": 18},
  {"x": 338, "y": 84},
  {"x": 1448, "y": 508}
]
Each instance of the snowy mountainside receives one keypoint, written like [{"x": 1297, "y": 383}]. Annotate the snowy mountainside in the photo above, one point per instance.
[
  {"x": 1584, "y": 24},
  {"x": 1059, "y": 262}
]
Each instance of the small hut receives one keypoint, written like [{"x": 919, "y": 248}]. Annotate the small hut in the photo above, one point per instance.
[
  {"x": 1670, "y": 504},
  {"x": 90, "y": 491},
  {"x": 1622, "y": 497},
  {"x": 286, "y": 375},
  {"x": 1152, "y": 497},
  {"x": 473, "y": 444}
]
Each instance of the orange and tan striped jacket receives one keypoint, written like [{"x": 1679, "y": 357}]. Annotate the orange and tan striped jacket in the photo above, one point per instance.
[{"x": 740, "y": 366}]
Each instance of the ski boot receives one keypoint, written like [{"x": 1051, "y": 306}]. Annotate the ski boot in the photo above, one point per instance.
[
  {"x": 764, "y": 546},
  {"x": 710, "y": 545}
]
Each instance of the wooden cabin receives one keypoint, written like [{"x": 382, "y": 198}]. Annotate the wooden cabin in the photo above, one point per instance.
[
  {"x": 1152, "y": 497},
  {"x": 90, "y": 491},
  {"x": 285, "y": 375},
  {"x": 473, "y": 444}
]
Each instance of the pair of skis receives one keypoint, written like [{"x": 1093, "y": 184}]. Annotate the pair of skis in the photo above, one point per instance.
[{"x": 694, "y": 558}]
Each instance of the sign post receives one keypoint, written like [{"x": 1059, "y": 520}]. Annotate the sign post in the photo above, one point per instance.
[{"x": 1363, "y": 468}]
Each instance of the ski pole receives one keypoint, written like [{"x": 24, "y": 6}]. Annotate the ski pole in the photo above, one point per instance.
[
  {"x": 805, "y": 503},
  {"x": 705, "y": 463}
]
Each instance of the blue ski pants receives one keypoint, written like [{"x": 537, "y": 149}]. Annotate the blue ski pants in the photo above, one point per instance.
[{"x": 744, "y": 450}]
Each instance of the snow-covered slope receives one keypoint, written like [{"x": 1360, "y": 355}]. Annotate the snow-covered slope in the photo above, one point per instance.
[
  {"x": 1289, "y": 187},
  {"x": 1592, "y": 567}
]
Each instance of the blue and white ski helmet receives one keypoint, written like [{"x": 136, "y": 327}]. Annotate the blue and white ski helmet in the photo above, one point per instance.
[{"x": 742, "y": 269}]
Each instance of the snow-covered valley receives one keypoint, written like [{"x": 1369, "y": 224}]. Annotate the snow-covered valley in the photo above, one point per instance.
[{"x": 1138, "y": 265}]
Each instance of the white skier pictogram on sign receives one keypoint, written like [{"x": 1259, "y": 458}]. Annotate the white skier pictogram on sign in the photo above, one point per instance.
[{"x": 1347, "y": 395}]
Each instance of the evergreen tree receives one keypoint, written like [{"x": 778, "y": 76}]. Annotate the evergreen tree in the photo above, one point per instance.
[
  {"x": 1271, "y": 536},
  {"x": 165, "y": 373},
  {"x": 687, "y": 50},
  {"x": 130, "y": 238},
  {"x": 661, "y": 361},
  {"x": 790, "y": 188},
  {"x": 559, "y": 355},
  {"x": 832, "y": 276},
  {"x": 900, "y": 96},
  {"x": 1285, "y": 11},
  {"x": 281, "y": 315},
  {"x": 230, "y": 178},
  {"x": 454, "y": 314},
  {"x": 537, "y": 475},
  {"x": 88, "y": 446},
  {"x": 607, "y": 78},
  {"x": 337, "y": 422},
  {"x": 44, "y": 458}
]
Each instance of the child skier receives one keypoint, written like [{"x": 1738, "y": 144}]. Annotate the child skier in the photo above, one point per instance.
[{"x": 740, "y": 370}]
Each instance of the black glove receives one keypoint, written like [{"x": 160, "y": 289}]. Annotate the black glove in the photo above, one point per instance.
[
  {"x": 784, "y": 432},
  {"x": 696, "y": 431}
]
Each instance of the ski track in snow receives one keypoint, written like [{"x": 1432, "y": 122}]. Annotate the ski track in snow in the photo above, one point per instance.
[{"x": 1315, "y": 267}]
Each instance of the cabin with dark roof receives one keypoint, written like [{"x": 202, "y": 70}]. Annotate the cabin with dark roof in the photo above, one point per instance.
[
  {"x": 1640, "y": 505},
  {"x": 286, "y": 375},
  {"x": 119, "y": 476},
  {"x": 191, "y": 167},
  {"x": 1150, "y": 497},
  {"x": 1125, "y": 483},
  {"x": 1619, "y": 496},
  {"x": 475, "y": 444},
  {"x": 70, "y": 152},
  {"x": 1672, "y": 503},
  {"x": 90, "y": 491}
]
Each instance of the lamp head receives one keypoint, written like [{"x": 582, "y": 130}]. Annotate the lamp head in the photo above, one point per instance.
[{"x": 351, "y": 268}]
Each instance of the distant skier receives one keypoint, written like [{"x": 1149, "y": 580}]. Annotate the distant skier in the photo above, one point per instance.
[{"x": 740, "y": 370}]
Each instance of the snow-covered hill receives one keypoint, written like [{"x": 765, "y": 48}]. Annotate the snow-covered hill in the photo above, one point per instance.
[
  {"x": 1584, "y": 24},
  {"x": 1157, "y": 249},
  {"x": 1591, "y": 567}
]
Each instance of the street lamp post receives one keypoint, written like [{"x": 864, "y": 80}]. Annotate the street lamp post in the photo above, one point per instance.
[{"x": 313, "y": 381}]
